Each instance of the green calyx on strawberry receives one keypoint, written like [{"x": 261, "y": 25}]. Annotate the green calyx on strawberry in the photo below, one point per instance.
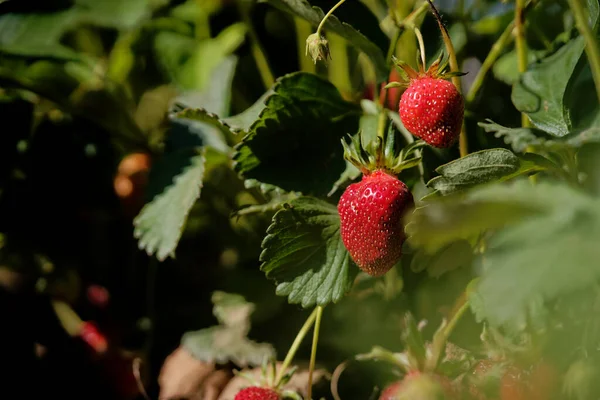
[
  {"x": 431, "y": 108},
  {"x": 266, "y": 386},
  {"x": 371, "y": 210},
  {"x": 429, "y": 368}
]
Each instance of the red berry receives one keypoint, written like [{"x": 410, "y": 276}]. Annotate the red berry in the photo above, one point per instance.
[
  {"x": 421, "y": 386},
  {"x": 371, "y": 212},
  {"x": 257, "y": 393},
  {"x": 93, "y": 337},
  {"x": 432, "y": 109}
]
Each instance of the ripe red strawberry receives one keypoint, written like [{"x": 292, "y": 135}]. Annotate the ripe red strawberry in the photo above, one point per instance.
[
  {"x": 257, "y": 393},
  {"x": 421, "y": 386},
  {"x": 432, "y": 109},
  {"x": 371, "y": 213}
]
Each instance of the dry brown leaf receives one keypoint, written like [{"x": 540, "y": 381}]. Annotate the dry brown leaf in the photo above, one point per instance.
[{"x": 182, "y": 375}]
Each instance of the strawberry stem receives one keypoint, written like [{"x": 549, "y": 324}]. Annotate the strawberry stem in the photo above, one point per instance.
[
  {"x": 339, "y": 3},
  {"x": 313, "y": 352},
  {"x": 591, "y": 44},
  {"x": 295, "y": 345},
  {"x": 463, "y": 143},
  {"x": 421, "y": 48},
  {"x": 521, "y": 45}
]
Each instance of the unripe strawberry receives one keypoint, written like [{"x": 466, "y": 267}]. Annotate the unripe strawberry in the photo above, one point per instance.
[
  {"x": 421, "y": 386},
  {"x": 370, "y": 213},
  {"x": 257, "y": 393},
  {"x": 432, "y": 109}
]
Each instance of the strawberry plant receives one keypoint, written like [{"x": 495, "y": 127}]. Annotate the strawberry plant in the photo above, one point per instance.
[{"x": 304, "y": 199}]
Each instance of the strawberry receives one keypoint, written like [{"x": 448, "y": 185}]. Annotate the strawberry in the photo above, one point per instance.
[
  {"x": 257, "y": 393},
  {"x": 421, "y": 386},
  {"x": 431, "y": 108},
  {"x": 370, "y": 213}
]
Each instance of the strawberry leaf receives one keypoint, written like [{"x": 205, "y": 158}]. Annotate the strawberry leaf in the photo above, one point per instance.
[
  {"x": 553, "y": 93},
  {"x": 174, "y": 186},
  {"x": 314, "y": 15},
  {"x": 304, "y": 253},
  {"x": 281, "y": 149},
  {"x": 228, "y": 341},
  {"x": 482, "y": 167},
  {"x": 553, "y": 254}
]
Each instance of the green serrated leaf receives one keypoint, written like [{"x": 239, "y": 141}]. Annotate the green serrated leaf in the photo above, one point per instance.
[
  {"x": 283, "y": 150},
  {"x": 474, "y": 169},
  {"x": 175, "y": 182},
  {"x": 540, "y": 92},
  {"x": 304, "y": 253},
  {"x": 314, "y": 15},
  {"x": 244, "y": 120},
  {"x": 209, "y": 128}
]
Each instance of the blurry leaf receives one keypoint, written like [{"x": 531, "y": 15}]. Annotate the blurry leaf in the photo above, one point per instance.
[
  {"x": 506, "y": 67},
  {"x": 554, "y": 254},
  {"x": 176, "y": 181},
  {"x": 296, "y": 142},
  {"x": 116, "y": 14},
  {"x": 190, "y": 63},
  {"x": 303, "y": 252},
  {"x": 215, "y": 97},
  {"x": 227, "y": 341},
  {"x": 314, "y": 15},
  {"x": 493, "y": 24},
  {"x": 476, "y": 168},
  {"x": 37, "y": 35},
  {"x": 540, "y": 92},
  {"x": 78, "y": 90},
  {"x": 455, "y": 255},
  {"x": 465, "y": 215}
]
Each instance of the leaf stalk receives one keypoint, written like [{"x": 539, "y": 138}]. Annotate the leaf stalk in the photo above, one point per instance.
[
  {"x": 521, "y": 46},
  {"x": 296, "y": 344},
  {"x": 463, "y": 142},
  {"x": 313, "y": 352},
  {"x": 591, "y": 44}
]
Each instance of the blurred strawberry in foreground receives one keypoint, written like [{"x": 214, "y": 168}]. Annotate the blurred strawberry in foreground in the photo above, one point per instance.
[{"x": 90, "y": 334}]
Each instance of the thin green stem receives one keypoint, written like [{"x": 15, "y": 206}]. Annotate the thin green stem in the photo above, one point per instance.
[
  {"x": 441, "y": 338},
  {"x": 257, "y": 51},
  {"x": 296, "y": 344},
  {"x": 339, "y": 3},
  {"x": 521, "y": 45},
  {"x": 504, "y": 39},
  {"x": 453, "y": 61},
  {"x": 313, "y": 352},
  {"x": 591, "y": 45},
  {"x": 421, "y": 47}
]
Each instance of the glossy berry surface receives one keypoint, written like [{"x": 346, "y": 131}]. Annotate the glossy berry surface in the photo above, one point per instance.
[
  {"x": 257, "y": 393},
  {"x": 370, "y": 213},
  {"x": 432, "y": 109}
]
